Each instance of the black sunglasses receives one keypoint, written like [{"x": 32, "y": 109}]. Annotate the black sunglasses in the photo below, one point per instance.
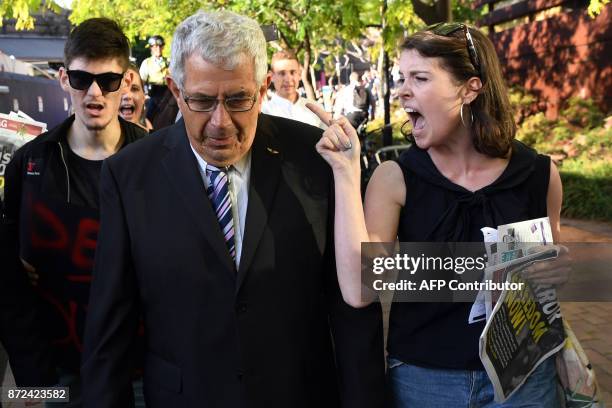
[
  {"x": 82, "y": 80},
  {"x": 446, "y": 29}
]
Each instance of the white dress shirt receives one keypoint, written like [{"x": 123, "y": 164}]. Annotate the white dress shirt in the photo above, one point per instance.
[
  {"x": 344, "y": 101},
  {"x": 239, "y": 176},
  {"x": 282, "y": 107}
]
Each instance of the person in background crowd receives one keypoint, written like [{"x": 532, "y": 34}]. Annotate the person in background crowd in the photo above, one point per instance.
[
  {"x": 355, "y": 102},
  {"x": 132, "y": 106},
  {"x": 51, "y": 215},
  {"x": 218, "y": 228},
  {"x": 153, "y": 72},
  {"x": 371, "y": 83},
  {"x": 286, "y": 102},
  {"x": 464, "y": 171}
]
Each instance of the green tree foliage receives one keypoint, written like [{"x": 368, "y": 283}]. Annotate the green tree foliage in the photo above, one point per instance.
[
  {"x": 159, "y": 16},
  {"x": 137, "y": 18},
  {"x": 595, "y": 6},
  {"x": 21, "y": 11}
]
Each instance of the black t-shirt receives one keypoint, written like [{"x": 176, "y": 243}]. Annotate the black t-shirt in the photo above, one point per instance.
[{"x": 84, "y": 178}]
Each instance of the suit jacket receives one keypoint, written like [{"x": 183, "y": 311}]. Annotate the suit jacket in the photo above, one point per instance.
[{"x": 274, "y": 333}]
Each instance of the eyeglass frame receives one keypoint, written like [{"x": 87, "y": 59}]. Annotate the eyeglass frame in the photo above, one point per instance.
[
  {"x": 94, "y": 78},
  {"x": 187, "y": 98},
  {"x": 453, "y": 28}
]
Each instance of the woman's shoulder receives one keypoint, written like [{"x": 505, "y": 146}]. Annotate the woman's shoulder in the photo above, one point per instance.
[
  {"x": 388, "y": 181},
  {"x": 526, "y": 162},
  {"x": 389, "y": 171}
]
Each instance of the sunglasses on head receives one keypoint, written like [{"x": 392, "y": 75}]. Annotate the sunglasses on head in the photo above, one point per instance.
[
  {"x": 82, "y": 80},
  {"x": 446, "y": 29}
]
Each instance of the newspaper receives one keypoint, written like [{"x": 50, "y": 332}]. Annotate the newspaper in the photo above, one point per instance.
[
  {"x": 524, "y": 326},
  {"x": 479, "y": 311},
  {"x": 16, "y": 129}
]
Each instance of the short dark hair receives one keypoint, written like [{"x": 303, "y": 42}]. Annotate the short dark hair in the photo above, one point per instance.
[
  {"x": 493, "y": 126},
  {"x": 97, "y": 39}
]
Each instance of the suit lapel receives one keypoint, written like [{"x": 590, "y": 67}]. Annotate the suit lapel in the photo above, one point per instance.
[
  {"x": 265, "y": 175},
  {"x": 182, "y": 171}
]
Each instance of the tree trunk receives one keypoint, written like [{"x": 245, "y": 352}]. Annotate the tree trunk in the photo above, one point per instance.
[
  {"x": 310, "y": 94},
  {"x": 313, "y": 74},
  {"x": 313, "y": 79},
  {"x": 438, "y": 12},
  {"x": 380, "y": 64},
  {"x": 387, "y": 131}
]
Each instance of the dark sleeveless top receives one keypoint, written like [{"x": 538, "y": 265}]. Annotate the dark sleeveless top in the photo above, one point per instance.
[{"x": 438, "y": 334}]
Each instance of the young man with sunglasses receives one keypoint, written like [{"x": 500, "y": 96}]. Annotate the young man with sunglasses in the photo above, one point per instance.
[{"x": 51, "y": 211}]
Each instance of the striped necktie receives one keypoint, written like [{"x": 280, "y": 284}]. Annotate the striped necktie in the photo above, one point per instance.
[{"x": 218, "y": 192}]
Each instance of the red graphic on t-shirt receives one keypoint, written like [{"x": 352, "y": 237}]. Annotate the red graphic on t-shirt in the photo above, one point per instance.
[
  {"x": 83, "y": 245},
  {"x": 31, "y": 166}
]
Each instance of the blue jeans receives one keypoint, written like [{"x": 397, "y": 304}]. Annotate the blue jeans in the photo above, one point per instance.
[{"x": 411, "y": 386}]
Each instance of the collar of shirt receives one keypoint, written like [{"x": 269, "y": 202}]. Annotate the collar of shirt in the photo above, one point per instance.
[
  {"x": 159, "y": 60},
  {"x": 241, "y": 167},
  {"x": 282, "y": 102}
]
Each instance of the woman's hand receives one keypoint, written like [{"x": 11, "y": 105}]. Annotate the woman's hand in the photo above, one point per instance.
[
  {"x": 555, "y": 271},
  {"x": 339, "y": 145}
]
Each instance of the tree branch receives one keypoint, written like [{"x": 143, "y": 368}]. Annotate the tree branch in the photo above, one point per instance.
[{"x": 431, "y": 14}]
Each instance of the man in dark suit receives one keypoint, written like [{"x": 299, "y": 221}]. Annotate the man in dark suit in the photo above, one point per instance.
[{"x": 219, "y": 230}]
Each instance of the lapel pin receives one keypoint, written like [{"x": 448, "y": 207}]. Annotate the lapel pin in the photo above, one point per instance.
[{"x": 272, "y": 150}]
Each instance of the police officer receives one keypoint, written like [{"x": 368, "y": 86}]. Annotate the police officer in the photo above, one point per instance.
[{"x": 153, "y": 71}]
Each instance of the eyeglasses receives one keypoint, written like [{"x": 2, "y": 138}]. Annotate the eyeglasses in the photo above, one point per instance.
[
  {"x": 237, "y": 104},
  {"x": 446, "y": 29},
  {"x": 82, "y": 80}
]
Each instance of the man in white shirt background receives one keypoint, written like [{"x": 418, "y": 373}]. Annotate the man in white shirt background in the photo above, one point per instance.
[
  {"x": 286, "y": 101},
  {"x": 355, "y": 102}
]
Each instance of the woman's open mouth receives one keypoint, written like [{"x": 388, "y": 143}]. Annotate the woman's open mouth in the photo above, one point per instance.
[
  {"x": 417, "y": 120},
  {"x": 127, "y": 110}
]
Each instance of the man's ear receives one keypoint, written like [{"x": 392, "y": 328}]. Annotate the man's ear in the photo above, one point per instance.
[
  {"x": 471, "y": 90},
  {"x": 174, "y": 88},
  {"x": 267, "y": 82},
  {"x": 176, "y": 92},
  {"x": 263, "y": 90},
  {"x": 63, "y": 79}
]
